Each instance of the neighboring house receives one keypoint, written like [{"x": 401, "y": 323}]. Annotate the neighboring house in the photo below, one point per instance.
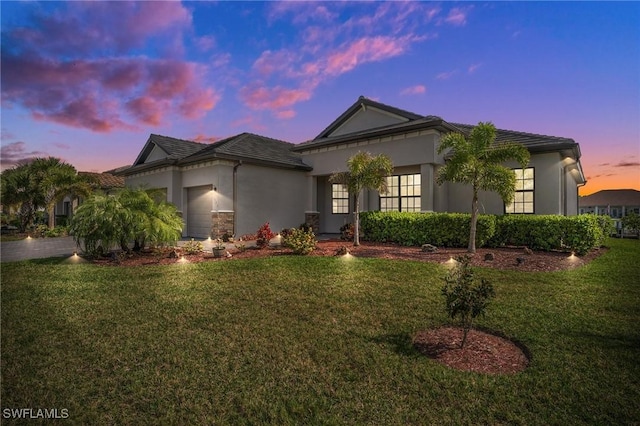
[
  {"x": 106, "y": 182},
  {"x": 236, "y": 184},
  {"x": 616, "y": 203}
]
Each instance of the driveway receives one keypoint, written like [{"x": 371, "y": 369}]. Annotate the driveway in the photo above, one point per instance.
[
  {"x": 36, "y": 248},
  {"x": 39, "y": 248}
]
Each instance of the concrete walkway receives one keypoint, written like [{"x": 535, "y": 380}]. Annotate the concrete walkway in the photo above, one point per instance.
[{"x": 36, "y": 248}]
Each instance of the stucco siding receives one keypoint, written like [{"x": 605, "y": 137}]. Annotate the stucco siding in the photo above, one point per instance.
[
  {"x": 403, "y": 150},
  {"x": 273, "y": 195},
  {"x": 156, "y": 153}
]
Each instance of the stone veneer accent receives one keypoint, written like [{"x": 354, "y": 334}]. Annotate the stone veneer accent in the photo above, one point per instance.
[
  {"x": 221, "y": 223},
  {"x": 313, "y": 219}
]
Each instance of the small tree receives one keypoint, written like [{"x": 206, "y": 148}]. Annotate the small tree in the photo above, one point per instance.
[
  {"x": 464, "y": 297},
  {"x": 477, "y": 161},
  {"x": 631, "y": 221},
  {"x": 364, "y": 172}
]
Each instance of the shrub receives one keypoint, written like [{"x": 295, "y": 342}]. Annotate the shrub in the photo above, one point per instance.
[
  {"x": 264, "y": 235},
  {"x": 346, "y": 231},
  {"x": 105, "y": 221},
  {"x": 415, "y": 229},
  {"x": 631, "y": 222},
  {"x": 193, "y": 247},
  {"x": 58, "y": 231},
  {"x": 306, "y": 227},
  {"x": 552, "y": 232},
  {"x": 464, "y": 297},
  {"x": 300, "y": 241}
]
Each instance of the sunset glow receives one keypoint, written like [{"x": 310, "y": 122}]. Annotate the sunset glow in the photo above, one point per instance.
[{"x": 89, "y": 81}]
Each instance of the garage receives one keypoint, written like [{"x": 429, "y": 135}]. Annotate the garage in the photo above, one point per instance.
[{"x": 199, "y": 202}]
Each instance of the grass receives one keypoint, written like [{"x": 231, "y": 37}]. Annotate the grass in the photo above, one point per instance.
[{"x": 309, "y": 340}]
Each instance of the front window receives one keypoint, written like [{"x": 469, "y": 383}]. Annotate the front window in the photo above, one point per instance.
[
  {"x": 403, "y": 194},
  {"x": 523, "y": 200},
  {"x": 340, "y": 198}
]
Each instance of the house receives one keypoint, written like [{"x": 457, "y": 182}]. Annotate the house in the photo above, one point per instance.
[
  {"x": 616, "y": 203},
  {"x": 236, "y": 184},
  {"x": 106, "y": 182}
]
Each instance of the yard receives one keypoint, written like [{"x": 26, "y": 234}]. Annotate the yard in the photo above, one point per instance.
[{"x": 313, "y": 340}]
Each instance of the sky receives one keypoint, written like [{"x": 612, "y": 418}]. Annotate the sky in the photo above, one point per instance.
[{"x": 88, "y": 82}]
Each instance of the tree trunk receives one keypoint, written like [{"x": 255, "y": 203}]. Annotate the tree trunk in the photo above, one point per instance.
[
  {"x": 52, "y": 218},
  {"x": 356, "y": 221},
  {"x": 474, "y": 221}
]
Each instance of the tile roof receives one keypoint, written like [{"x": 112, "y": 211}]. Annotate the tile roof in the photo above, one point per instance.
[
  {"x": 176, "y": 148},
  {"x": 251, "y": 147},
  {"x": 105, "y": 180},
  {"x": 611, "y": 197},
  {"x": 532, "y": 141}
]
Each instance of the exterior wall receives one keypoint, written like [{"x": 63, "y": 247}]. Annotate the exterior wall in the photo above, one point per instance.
[
  {"x": 165, "y": 177},
  {"x": 410, "y": 153},
  {"x": 554, "y": 193},
  {"x": 273, "y": 195},
  {"x": 404, "y": 150}
]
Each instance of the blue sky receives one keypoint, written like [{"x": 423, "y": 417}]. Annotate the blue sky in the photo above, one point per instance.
[{"x": 88, "y": 82}]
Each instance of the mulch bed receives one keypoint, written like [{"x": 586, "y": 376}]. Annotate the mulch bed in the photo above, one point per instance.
[
  {"x": 502, "y": 258},
  {"x": 482, "y": 353}
]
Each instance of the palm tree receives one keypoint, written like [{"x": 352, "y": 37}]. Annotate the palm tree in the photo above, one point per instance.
[
  {"x": 477, "y": 161},
  {"x": 364, "y": 172},
  {"x": 55, "y": 180},
  {"x": 17, "y": 191}
]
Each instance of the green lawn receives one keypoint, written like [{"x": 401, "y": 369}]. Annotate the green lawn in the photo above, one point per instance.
[{"x": 300, "y": 340}]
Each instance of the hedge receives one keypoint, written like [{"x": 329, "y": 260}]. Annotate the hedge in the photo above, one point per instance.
[
  {"x": 538, "y": 232},
  {"x": 414, "y": 229},
  {"x": 552, "y": 232}
]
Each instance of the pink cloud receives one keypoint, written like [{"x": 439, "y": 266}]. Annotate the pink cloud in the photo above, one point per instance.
[
  {"x": 273, "y": 98},
  {"x": 458, "y": 16},
  {"x": 363, "y": 50},
  {"x": 446, "y": 75},
  {"x": 301, "y": 12},
  {"x": 61, "y": 145},
  {"x": 285, "y": 114},
  {"x": 98, "y": 94},
  {"x": 249, "y": 121},
  {"x": 270, "y": 62},
  {"x": 55, "y": 70},
  {"x": 196, "y": 103},
  {"x": 414, "y": 90},
  {"x": 113, "y": 26},
  {"x": 205, "y": 43},
  {"x": 17, "y": 153},
  {"x": 473, "y": 68},
  {"x": 146, "y": 109},
  {"x": 205, "y": 139}
]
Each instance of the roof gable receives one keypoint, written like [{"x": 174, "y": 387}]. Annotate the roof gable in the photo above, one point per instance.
[
  {"x": 366, "y": 114},
  {"x": 160, "y": 147}
]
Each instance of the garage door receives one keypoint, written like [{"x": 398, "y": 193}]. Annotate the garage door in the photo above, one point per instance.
[{"x": 199, "y": 211}]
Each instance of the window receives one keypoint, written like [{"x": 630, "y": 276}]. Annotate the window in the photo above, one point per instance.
[
  {"x": 403, "y": 194},
  {"x": 523, "y": 201},
  {"x": 340, "y": 198}
]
